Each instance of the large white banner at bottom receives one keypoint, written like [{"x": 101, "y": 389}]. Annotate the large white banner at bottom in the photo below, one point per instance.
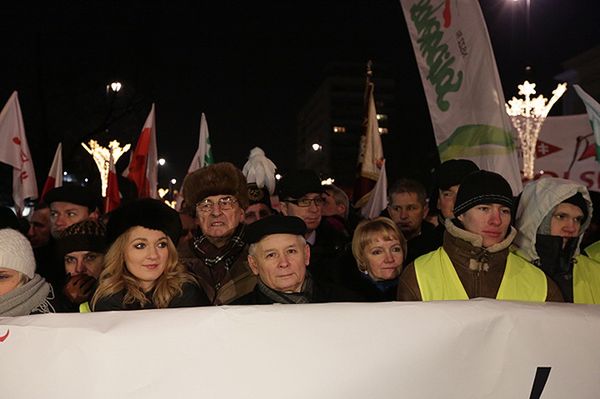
[{"x": 471, "y": 349}]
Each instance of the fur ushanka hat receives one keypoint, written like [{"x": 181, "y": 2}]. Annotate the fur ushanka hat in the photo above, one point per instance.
[{"x": 222, "y": 178}]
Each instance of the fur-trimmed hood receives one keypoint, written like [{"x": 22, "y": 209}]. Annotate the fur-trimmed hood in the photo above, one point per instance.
[{"x": 539, "y": 198}]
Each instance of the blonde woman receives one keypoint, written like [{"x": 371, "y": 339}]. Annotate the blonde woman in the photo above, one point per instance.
[
  {"x": 141, "y": 268},
  {"x": 379, "y": 249}
]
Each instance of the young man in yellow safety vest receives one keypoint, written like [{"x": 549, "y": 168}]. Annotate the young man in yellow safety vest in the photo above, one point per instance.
[
  {"x": 552, "y": 216},
  {"x": 474, "y": 260}
]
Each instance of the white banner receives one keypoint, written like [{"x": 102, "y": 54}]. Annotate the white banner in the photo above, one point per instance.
[
  {"x": 463, "y": 349},
  {"x": 566, "y": 148},
  {"x": 461, "y": 83}
]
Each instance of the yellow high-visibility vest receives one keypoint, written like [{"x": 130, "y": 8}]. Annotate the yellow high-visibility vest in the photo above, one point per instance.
[
  {"x": 438, "y": 280},
  {"x": 586, "y": 280},
  {"x": 85, "y": 307},
  {"x": 593, "y": 251}
]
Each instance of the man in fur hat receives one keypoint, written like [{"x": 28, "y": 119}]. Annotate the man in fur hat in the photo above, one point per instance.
[
  {"x": 217, "y": 252},
  {"x": 552, "y": 216},
  {"x": 474, "y": 260}
]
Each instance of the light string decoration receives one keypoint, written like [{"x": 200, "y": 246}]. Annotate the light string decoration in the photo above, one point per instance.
[
  {"x": 527, "y": 117},
  {"x": 102, "y": 155}
]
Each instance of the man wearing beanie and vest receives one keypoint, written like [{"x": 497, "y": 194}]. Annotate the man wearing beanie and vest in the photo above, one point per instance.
[
  {"x": 552, "y": 216},
  {"x": 81, "y": 246},
  {"x": 474, "y": 260},
  {"x": 217, "y": 252}
]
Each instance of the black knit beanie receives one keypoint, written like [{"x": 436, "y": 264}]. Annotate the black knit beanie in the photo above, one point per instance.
[
  {"x": 482, "y": 187},
  {"x": 88, "y": 235},
  {"x": 452, "y": 172},
  {"x": 147, "y": 212}
]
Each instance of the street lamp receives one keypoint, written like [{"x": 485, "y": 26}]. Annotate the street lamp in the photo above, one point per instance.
[
  {"x": 527, "y": 117},
  {"x": 162, "y": 162}
]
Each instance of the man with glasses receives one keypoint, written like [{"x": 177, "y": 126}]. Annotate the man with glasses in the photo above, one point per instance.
[
  {"x": 301, "y": 195},
  {"x": 217, "y": 252}
]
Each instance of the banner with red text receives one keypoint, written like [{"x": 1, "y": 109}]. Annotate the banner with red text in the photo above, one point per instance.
[
  {"x": 456, "y": 349},
  {"x": 566, "y": 148}
]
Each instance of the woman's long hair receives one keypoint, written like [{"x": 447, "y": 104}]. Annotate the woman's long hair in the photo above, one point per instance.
[{"x": 115, "y": 277}]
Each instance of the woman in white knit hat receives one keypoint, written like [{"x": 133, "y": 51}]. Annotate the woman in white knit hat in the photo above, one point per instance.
[{"x": 22, "y": 291}]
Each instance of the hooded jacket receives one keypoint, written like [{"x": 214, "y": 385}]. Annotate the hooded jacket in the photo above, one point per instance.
[{"x": 538, "y": 199}]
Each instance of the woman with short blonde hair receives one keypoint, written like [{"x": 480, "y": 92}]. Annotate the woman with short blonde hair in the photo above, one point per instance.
[{"x": 379, "y": 249}]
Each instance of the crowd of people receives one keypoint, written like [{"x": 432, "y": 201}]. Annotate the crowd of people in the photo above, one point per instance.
[{"x": 233, "y": 243}]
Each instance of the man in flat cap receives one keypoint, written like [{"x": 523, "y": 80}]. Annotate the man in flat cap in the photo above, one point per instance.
[
  {"x": 552, "y": 216},
  {"x": 301, "y": 195},
  {"x": 475, "y": 260},
  {"x": 278, "y": 255},
  {"x": 216, "y": 253}
]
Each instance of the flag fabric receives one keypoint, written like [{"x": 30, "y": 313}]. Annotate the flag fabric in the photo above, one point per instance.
[
  {"x": 566, "y": 148},
  {"x": 370, "y": 153},
  {"x": 461, "y": 83},
  {"x": 113, "y": 197},
  {"x": 143, "y": 166},
  {"x": 593, "y": 110},
  {"x": 378, "y": 198},
  {"x": 55, "y": 175},
  {"x": 14, "y": 151},
  {"x": 203, "y": 155}
]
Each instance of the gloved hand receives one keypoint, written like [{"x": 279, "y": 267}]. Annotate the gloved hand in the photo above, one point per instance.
[{"x": 79, "y": 288}]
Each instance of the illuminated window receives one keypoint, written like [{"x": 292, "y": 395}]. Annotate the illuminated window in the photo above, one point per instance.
[
  {"x": 382, "y": 117},
  {"x": 383, "y": 130},
  {"x": 339, "y": 129}
]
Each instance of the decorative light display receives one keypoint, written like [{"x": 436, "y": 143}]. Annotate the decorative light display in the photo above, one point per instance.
[
  {"x": 527, "y": 116},
  {"x": 101, "y": 156}
]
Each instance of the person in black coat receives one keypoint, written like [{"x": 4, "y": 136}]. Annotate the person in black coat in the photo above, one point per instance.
[
  {"x": 379, "y": 249},
  {"x": 278, "y": 255},
  {"x": 141, "y": 267}
]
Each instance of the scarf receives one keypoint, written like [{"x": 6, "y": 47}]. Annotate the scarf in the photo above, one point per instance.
[
  {"x": 304, "y": 296},
  {"x": 30, "y": 298},
  {"x": 219, "y": 260}
]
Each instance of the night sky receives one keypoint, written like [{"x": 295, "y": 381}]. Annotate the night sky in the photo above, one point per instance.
[{"x": 249, "y": 66}]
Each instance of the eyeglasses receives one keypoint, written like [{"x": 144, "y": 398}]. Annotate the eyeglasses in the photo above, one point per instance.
[
  {"x": 225, "y": 204},
  {"x": 305, "y": 202}
]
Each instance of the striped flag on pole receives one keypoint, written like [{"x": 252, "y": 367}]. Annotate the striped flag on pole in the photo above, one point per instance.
[
  {"x": 14, "y": 151},
  {"x": 113, "y": 197},
  {"x": 143, "y": 166},
  {"x": 370, "y": 156},
  {"x": 55, "y": 175},
  {"x": 461, "y": 83}
]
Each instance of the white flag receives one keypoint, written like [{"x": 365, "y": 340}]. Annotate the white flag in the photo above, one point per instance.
[
  {"x": 378, "y": 198},
  {"x": 55, "y": 175},
  {"x": 462, "y": 86},
  {"x": 14, "y": 151},
  {"x": 203, "y": 154},
  {"x": 202, "y": 157}
]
